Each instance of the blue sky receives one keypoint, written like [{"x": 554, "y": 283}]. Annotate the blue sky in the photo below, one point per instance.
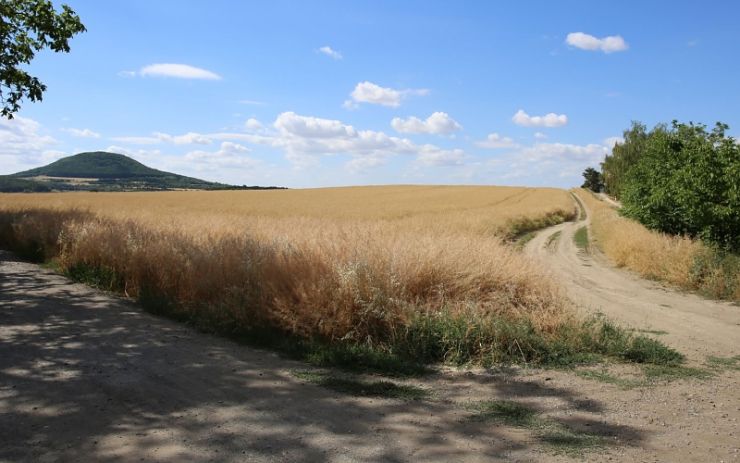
[{"x": 308, "y": 94}]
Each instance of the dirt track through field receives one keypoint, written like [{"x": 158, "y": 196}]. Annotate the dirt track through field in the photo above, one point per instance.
[{"x": 696, "y": 326}]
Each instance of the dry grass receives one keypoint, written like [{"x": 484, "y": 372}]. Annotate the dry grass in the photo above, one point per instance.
[
  {"x": 424, "y": 269},
  {"x": 678, "y": 260},
  {"x": 463, "y": 209}
]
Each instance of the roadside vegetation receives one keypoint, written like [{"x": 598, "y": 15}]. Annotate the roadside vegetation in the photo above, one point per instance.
[
  {"x": 333, "y": 290},
  {"x": 679, "y": 260},
  {"x": 581, "y": 238},
  {"x": 680, "y": 186}
]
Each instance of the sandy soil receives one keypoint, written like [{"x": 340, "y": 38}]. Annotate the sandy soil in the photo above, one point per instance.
[{"x": 86, "y": 376}]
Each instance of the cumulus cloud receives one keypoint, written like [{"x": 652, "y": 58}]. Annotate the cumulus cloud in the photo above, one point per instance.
[
  {"x": 543, "y": 164},
  {"x": 189, "y": 138},
  {"x": 496, "y": 141},
  {"x": 137, "y": 140},
  {"x": 303, "y": 138},
  {"x": 368, "y": 92},
  {"x": 82, "y": 133},
  {"x": 563, "y": 151},
  {"x": 291, "y": 124},
  {"x": 151, "y": 158},
  {"x": 540, "y": 136},
  {"x": 228, "y": 155},
  {"x": 431, "y": 155},
  {"x": 548, "y": 120},
  {"x": 178, "y": 71},
  {"x": 438, "y": 123},
  {"x": 365, "y": 163},
  {"x": 610, "y": 44},
  {"x": 328, "y": 51},
  {"x": 253, "y": 124},
  {"x": 23, "y": 145}
]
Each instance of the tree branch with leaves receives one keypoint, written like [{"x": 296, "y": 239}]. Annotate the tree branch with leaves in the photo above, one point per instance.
[{"x": 27, "y": 27}]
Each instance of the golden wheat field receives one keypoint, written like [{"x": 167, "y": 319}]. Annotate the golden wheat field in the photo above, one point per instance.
[
  {"x": 355, "y": 264},
  {"x": 461, "y": 209}
]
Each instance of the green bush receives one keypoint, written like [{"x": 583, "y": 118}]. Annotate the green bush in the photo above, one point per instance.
[{"x": 686, "y": 181}]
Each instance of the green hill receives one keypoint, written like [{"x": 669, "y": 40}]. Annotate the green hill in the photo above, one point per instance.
[
  {"x": 103, "y": 171},
  {"x": 96, "y": 164}
]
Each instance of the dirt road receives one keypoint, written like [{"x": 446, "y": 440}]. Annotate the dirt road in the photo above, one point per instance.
[
  {"x": 696, "y": 326},
  {"x": 85, "y": 376}
]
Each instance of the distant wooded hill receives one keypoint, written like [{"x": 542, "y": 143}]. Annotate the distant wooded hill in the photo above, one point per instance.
[{"x": 104, "y": 171}]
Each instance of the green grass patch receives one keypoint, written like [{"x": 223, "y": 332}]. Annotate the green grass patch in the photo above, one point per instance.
[
  {"x": 653, "y": 332},
  {"x": 723, "y": 363},
  {"x": 524, "y": 239},
  {"x": 558, "y": 437},
  {"x": 505, "y": 412},
  {"x": 553, "y": 239},
  {"x": 608, "y": 378},
  {"x": 564, "y": 441},
  {"x": 581, "y": 238},
  {"x": 100, "y": 277},
  {"x": 358, "y": 387},
  {"x": 673, "y": 372}
]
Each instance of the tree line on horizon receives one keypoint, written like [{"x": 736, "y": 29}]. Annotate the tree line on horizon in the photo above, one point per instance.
[{"x": 681, "y": 179}]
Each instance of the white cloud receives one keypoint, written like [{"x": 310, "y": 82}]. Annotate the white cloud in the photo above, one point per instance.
[
  {"x": 328, "y": 51},
  {"x": 563, "y": 151},
  {"x": 431, "y": 155},
  {"x": 304, "y": 139},
  {"x": 179, "y": 71},
  {"x": 438, "y": 123},
  {"x": 136, "y": 140},
  {"x": 543, "y": 164},
  {"x": 148, "y": 157},
  {"x": 548, "y": 120},
  {"x": 185, "y": 139},
  {"x": 496, "y": 141},
  {"x": 540, "y": 136},
  {"x": 368, "y": 92},
  {"x": 189, "y": 138},
  {"x": 290, "y": 123},
  {"x": 23, "y": 145},
  {"x": 228, "y": 155},
  {"x": 611, "y": 141},
  {"x": 610, "y": 44},
  {"x": 253, "y": 124},
  {"x": 363, "y": 164},
  {"x": 82, "y": 133}
]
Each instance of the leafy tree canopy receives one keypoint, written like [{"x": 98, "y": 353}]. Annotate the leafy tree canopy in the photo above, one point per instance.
[
  {"x": 686, "y": 181},
  {"x": 27, "y": 27},
  {"x": 623, "y": 157},
  {"x": 592, "y": 180}
]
